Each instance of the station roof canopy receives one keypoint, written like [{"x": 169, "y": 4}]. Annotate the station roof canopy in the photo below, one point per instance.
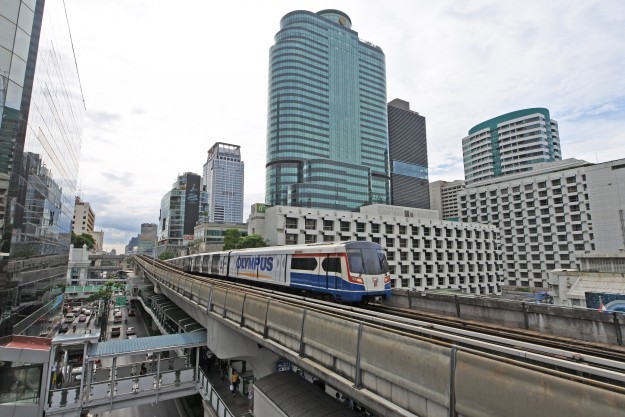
[
  {"x": 296, "y": 397},
  {"x": 146, "y": 344}
]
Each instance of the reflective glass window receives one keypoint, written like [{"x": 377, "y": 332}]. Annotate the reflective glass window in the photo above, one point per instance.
[
  {"x": 10, "y": 9},
  {"x": 25, "y": 20},
  {"x": 7, "y": 33}
]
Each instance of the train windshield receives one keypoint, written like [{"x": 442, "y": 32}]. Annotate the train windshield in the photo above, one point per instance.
[{"x": 370, "y": 261}]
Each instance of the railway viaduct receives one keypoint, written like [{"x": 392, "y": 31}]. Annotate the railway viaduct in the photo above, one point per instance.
[{"x": 389, "y": 371}]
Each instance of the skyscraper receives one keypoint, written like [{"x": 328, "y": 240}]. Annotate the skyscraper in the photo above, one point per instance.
[
  {"x": 223, "y": 180},
  {"x": 41, "y": 121},
  {"x": 509, "y": 144},
  {"x": 181, "y": 209},
  {"x": 408, "y": 150},
  {"x": 327, "y": 132}
]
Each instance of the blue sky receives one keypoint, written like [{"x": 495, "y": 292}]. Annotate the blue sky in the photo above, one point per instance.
[{"x": 163, "y": 81}]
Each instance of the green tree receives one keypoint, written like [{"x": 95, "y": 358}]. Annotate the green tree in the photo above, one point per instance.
[
  {"x": 84, "y": 239},
  {"x": 105, "y": 293},
  {"x": 166, "y": 254},
  {"x": 252, "y": 241},
  {"x": 232, "y": 238}
]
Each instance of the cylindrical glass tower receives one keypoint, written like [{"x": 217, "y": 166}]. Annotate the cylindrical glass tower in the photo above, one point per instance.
[{"x": 327, "y": 133}]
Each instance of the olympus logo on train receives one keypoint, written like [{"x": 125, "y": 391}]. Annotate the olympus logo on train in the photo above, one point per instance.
[{"x": 264, "y": 263}]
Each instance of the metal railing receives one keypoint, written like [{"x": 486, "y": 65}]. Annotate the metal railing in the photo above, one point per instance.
[{"x": 206, "y": 390}]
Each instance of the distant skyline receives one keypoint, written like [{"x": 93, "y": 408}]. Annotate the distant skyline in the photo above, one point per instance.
[{"x": 163, "y": 82}]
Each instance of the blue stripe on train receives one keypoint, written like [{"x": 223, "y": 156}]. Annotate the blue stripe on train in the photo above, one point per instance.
[{"x": 348, "y": 292}]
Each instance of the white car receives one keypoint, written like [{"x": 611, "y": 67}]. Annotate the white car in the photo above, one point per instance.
[{"x": 130, "y": 330}]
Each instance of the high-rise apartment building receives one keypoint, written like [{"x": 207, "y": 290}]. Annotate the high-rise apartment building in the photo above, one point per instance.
[
  {"x": 223, "y": 181},
  {"x": 181, "y": 209},
  {"x": 550, "y": 216},
  {"x": 84, "y": 218},
  {"x": 408, "y": 150},
  {"x": 327, "y": 132},
  {"x": 444, "y": 198},
  {"x": 510, "y": 143},
  {"x": 41, "y": 121}
]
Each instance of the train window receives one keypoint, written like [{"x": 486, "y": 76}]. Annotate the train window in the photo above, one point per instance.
[
  {"x": 205, "y": 260},
  {"x": 356, "y": 265},
  {"x": 331, "y": 264},
  {"x": 367, "y": 261},
  {"x": 304, "y": 264}
]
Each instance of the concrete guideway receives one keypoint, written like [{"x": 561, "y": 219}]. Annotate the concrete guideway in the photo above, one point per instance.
[{"x": 388, "y": 371}]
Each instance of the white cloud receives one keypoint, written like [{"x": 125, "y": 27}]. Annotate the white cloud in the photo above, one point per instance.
[{"x": 163, "y": 81}]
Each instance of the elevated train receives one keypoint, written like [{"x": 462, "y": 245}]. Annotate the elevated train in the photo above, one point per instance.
[{"x": 350, "y": 272}]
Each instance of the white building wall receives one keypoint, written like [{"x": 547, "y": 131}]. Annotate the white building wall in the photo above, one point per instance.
[
  {"x": 606, "y": 191},
  {"x": 550, "y": 216},
  {"x": 423, "y": 251},
  {"x": 444, "y": 198}
]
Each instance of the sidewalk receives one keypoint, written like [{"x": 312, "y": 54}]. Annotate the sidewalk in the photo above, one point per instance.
[{"x": 238, "y": 404}]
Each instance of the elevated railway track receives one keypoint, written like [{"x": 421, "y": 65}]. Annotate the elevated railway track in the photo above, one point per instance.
[{"x": 468, "y": 364}]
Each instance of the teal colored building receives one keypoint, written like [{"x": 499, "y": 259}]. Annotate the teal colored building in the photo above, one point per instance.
[
  {"x": 509, "y": 144},
  {"x": 327, "y": 131}
]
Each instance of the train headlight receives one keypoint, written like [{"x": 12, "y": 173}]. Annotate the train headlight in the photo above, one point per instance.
[{"x": 356, "y": 280}]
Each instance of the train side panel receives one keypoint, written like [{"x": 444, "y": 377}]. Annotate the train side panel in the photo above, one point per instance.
[{"x": 269, "y": 268}]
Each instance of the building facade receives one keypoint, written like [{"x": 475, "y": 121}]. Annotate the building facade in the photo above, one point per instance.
[
  {"x": 84, "y": 218},
  {"x": 423, "y": 252},
  {"x": 408, "y": 151},
  {"x": 181, "y": 209},
  {"x": 444, "y": 198},
  {"x": 147, "y": 239},
  {"x": 327, "y": 130},
  {"x": 509, "y": 144},
  {"x": 223, "y": 180},
  {"x": 209, "y": 237},
  {"x": 600, "y": 275},
  {"x": 550, "y": 216},
  {"x": 41, "y": 120}
]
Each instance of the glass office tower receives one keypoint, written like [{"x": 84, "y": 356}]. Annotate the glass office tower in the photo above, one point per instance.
[
  {"x": 223, "y": 178},
  {"x": 42, "y": 112},
  {"x": 327, "y": 132}
]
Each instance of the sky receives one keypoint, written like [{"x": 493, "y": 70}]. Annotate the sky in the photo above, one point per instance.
[{"x": 164, "y": 80}]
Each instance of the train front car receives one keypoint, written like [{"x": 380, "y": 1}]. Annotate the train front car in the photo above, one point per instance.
[{"x": 367, "y": 267}]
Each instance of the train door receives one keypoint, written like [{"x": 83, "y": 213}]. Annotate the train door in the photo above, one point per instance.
[
  {"x": 332, "y": 267},
  {"x": 280, "y": 268},
  {"x": 214, "y": 268}
]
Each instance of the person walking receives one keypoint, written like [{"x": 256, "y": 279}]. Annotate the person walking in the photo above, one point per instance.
[{"x": 234, "y": 382}]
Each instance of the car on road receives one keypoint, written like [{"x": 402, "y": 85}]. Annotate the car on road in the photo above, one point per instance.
[
  {"x": 131, "y": 312},
  {"x": 116, "y": 331},
  {"x": 69, "y": 318},
  {"x": 87, "y": 312},
  {"x": 130, "y": 330},
  {"x": 64, "y": 328},
  {"x": 82, "y": 318},
  {"x": 76, "y": 310}
]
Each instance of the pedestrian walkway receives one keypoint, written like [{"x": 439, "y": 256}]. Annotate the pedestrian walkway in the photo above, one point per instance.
[{"x": 238, "y": 404}]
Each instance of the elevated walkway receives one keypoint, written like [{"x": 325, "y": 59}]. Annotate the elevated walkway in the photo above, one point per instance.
[{"x": 113, "y": 378}]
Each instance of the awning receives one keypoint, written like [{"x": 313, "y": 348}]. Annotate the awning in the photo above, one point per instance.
[{"x": 146, "y": 344}]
